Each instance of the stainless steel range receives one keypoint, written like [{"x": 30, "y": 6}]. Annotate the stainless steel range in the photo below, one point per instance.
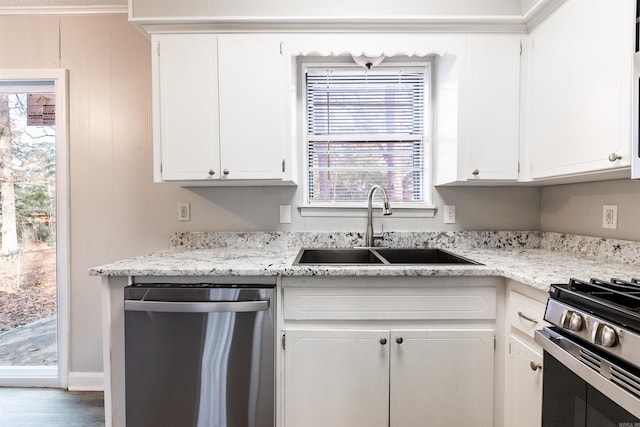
[{"x": 592, "y": 354}]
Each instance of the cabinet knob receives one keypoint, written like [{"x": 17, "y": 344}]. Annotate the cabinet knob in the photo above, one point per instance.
[
  {"x": 614, "y": 156},
  {"x": 383, "y": 341},
  {"x": 535, "y": 366},
  {"x": 475, "y": 172},
  {"x": 211, "y": 172},
  {"x": 399, "y": 340},
  {"x": 226, "y": 171}
]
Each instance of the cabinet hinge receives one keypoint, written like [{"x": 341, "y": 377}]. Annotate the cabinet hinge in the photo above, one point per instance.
[
  {"x": 280, "y": 48},
  {"x": 158, "y": 50},
  {"x": 520, "y": 47},
  {"x": 518, "y": 167},
  {"x": 160, "y": 167},
  {"x": 494, "y": 342},
  {"x": 284, "y": 341},
  {"x": 509, "y": 348},
  {"x": 283, "y": 165}
]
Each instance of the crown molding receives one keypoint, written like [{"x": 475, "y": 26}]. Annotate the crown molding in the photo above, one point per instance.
[{"x": 62, "y": 7}]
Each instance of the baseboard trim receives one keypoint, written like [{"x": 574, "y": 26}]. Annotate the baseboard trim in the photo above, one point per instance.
[
  {"x": 29, "y": 376},
  {"x": 86, "y": 381}
]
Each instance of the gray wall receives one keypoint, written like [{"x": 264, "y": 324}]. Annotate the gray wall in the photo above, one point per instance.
[
  {"x": 257, "y": 209},
  {"x": 577, "y": 208}
]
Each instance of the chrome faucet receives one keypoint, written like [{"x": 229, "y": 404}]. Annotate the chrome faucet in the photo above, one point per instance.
[{"x": 386, "y": 210}]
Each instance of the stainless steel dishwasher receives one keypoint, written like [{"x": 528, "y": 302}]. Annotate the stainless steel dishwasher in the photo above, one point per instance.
[{"x": 199, "y": 355}]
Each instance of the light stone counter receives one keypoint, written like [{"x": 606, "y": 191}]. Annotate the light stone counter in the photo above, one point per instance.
[{"x": 516, "y": 256}]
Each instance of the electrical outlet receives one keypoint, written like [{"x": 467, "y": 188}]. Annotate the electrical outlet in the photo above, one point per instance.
[
  {"x": 610, "y": 216},
  {"x": 449, "y": 214},
  {"x": 184, "y": 212}
]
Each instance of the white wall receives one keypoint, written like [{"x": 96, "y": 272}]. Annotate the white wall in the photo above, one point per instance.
[{"x": 116, "y": 210}]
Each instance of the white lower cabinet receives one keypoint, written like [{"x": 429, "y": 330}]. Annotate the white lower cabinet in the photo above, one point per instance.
[
  {"x": 523, "y": 370},
  {"x": 337, "y": 378},
  {"x": 441, "y": 378},
  {"x": 524, "y": 385},
  {"x": 347, "y": 378},
  {"x": 388, "y": 352}
]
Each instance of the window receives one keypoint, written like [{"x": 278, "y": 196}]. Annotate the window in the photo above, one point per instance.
[{"x": 366, "y": 127}]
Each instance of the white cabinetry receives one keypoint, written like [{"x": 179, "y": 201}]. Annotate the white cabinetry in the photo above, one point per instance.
[
  {"x": 579, "y": 89},
  {"x": 337, "y": 378},
  {"x": 523, "y": 403},
  {"x": 487, "y": 121},
  {"x": 388, "y": 352},
  {"x": 219, "y": 106}
]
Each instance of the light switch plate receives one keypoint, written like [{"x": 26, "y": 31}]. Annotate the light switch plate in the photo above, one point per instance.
[{"x": 285, "y": 214}]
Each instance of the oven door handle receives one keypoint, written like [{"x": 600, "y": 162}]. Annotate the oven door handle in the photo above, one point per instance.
[
  {"x": 563, "y": 350},
  {"x": 196, "y": 307}
]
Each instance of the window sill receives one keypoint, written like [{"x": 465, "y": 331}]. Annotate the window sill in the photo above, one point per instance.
[{"x": 357, "y": 210}]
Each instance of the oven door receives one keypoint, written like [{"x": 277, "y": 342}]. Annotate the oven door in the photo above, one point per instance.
[{"x": 582, "y": 388}]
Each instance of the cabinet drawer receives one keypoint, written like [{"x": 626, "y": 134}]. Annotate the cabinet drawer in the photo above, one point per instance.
[
  {"x": 525, "y": 313},
  {"x": 395, "y": 303}
]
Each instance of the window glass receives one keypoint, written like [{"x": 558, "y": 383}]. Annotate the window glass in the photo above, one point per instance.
[{"x": 365, "y": 127}]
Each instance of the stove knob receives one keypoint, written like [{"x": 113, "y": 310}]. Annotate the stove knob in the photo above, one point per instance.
[
  {"x": 571, "y": 320},
  {"x": 604, "y": 335}
]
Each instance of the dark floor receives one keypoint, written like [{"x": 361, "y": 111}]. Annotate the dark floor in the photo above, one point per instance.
[{"x": 40, "y": 407}]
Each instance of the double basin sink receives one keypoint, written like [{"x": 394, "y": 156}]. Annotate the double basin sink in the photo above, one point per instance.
[{"x": 379, "y": 257}]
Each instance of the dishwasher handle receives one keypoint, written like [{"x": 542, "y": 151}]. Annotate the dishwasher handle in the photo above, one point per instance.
[{"x": 196, "y": 307}]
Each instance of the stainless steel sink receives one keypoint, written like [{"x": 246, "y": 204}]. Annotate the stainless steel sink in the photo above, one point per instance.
[{"x": 379, "y": 256}]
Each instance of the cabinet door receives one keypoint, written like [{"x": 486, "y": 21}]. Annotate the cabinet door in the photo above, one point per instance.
[
  {"x": 441, "y": 378},
  {"x": 251, "y": 130},
  {"x": 579, "y": 91},
  {"x": 185, "y": 78},
  {"x": 523, "y": 401},
  {"x": 337, "y": 378},
  {"x": 494, "y": 108}
]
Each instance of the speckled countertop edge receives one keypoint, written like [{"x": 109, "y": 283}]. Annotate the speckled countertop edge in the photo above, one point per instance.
[{"x": 535, "y": 267}]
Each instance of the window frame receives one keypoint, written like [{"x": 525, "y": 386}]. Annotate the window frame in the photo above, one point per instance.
[{"x": 422, "y": 208}]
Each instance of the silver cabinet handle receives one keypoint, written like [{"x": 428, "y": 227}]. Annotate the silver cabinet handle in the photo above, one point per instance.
[
  {"x": 383, "y": 341},
  {"x": 475, "y": 172},
  {"x": 399, "y": 340},
  {"x": 535, "y": 366},
  {"x": 614, "y": 156},
  {"x": 196, "y": 307},
  {"x": 211, "y": 172},
  {"x": 226, "y": 171},
  {"x": 527, "y": 318}
]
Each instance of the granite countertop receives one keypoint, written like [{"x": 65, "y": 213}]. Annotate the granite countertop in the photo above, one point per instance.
[{"x": 535, "y": 267}]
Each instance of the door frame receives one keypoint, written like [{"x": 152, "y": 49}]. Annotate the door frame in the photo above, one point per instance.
[{"x": 40, "y": 376}]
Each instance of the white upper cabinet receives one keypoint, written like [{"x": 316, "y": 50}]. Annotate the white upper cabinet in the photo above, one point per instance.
[
  {"x": 494, "y": 108},
  {"x": 477, "y": 132},
  {"x": 185, "y": 113},
  {"x": 578, "y": 96},
  {"x": 251, "y": 113},
  {"x": 219, "y": 110}
]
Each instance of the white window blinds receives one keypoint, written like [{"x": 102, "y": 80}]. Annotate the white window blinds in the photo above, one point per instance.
[{"x": 365, "y": 127}]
